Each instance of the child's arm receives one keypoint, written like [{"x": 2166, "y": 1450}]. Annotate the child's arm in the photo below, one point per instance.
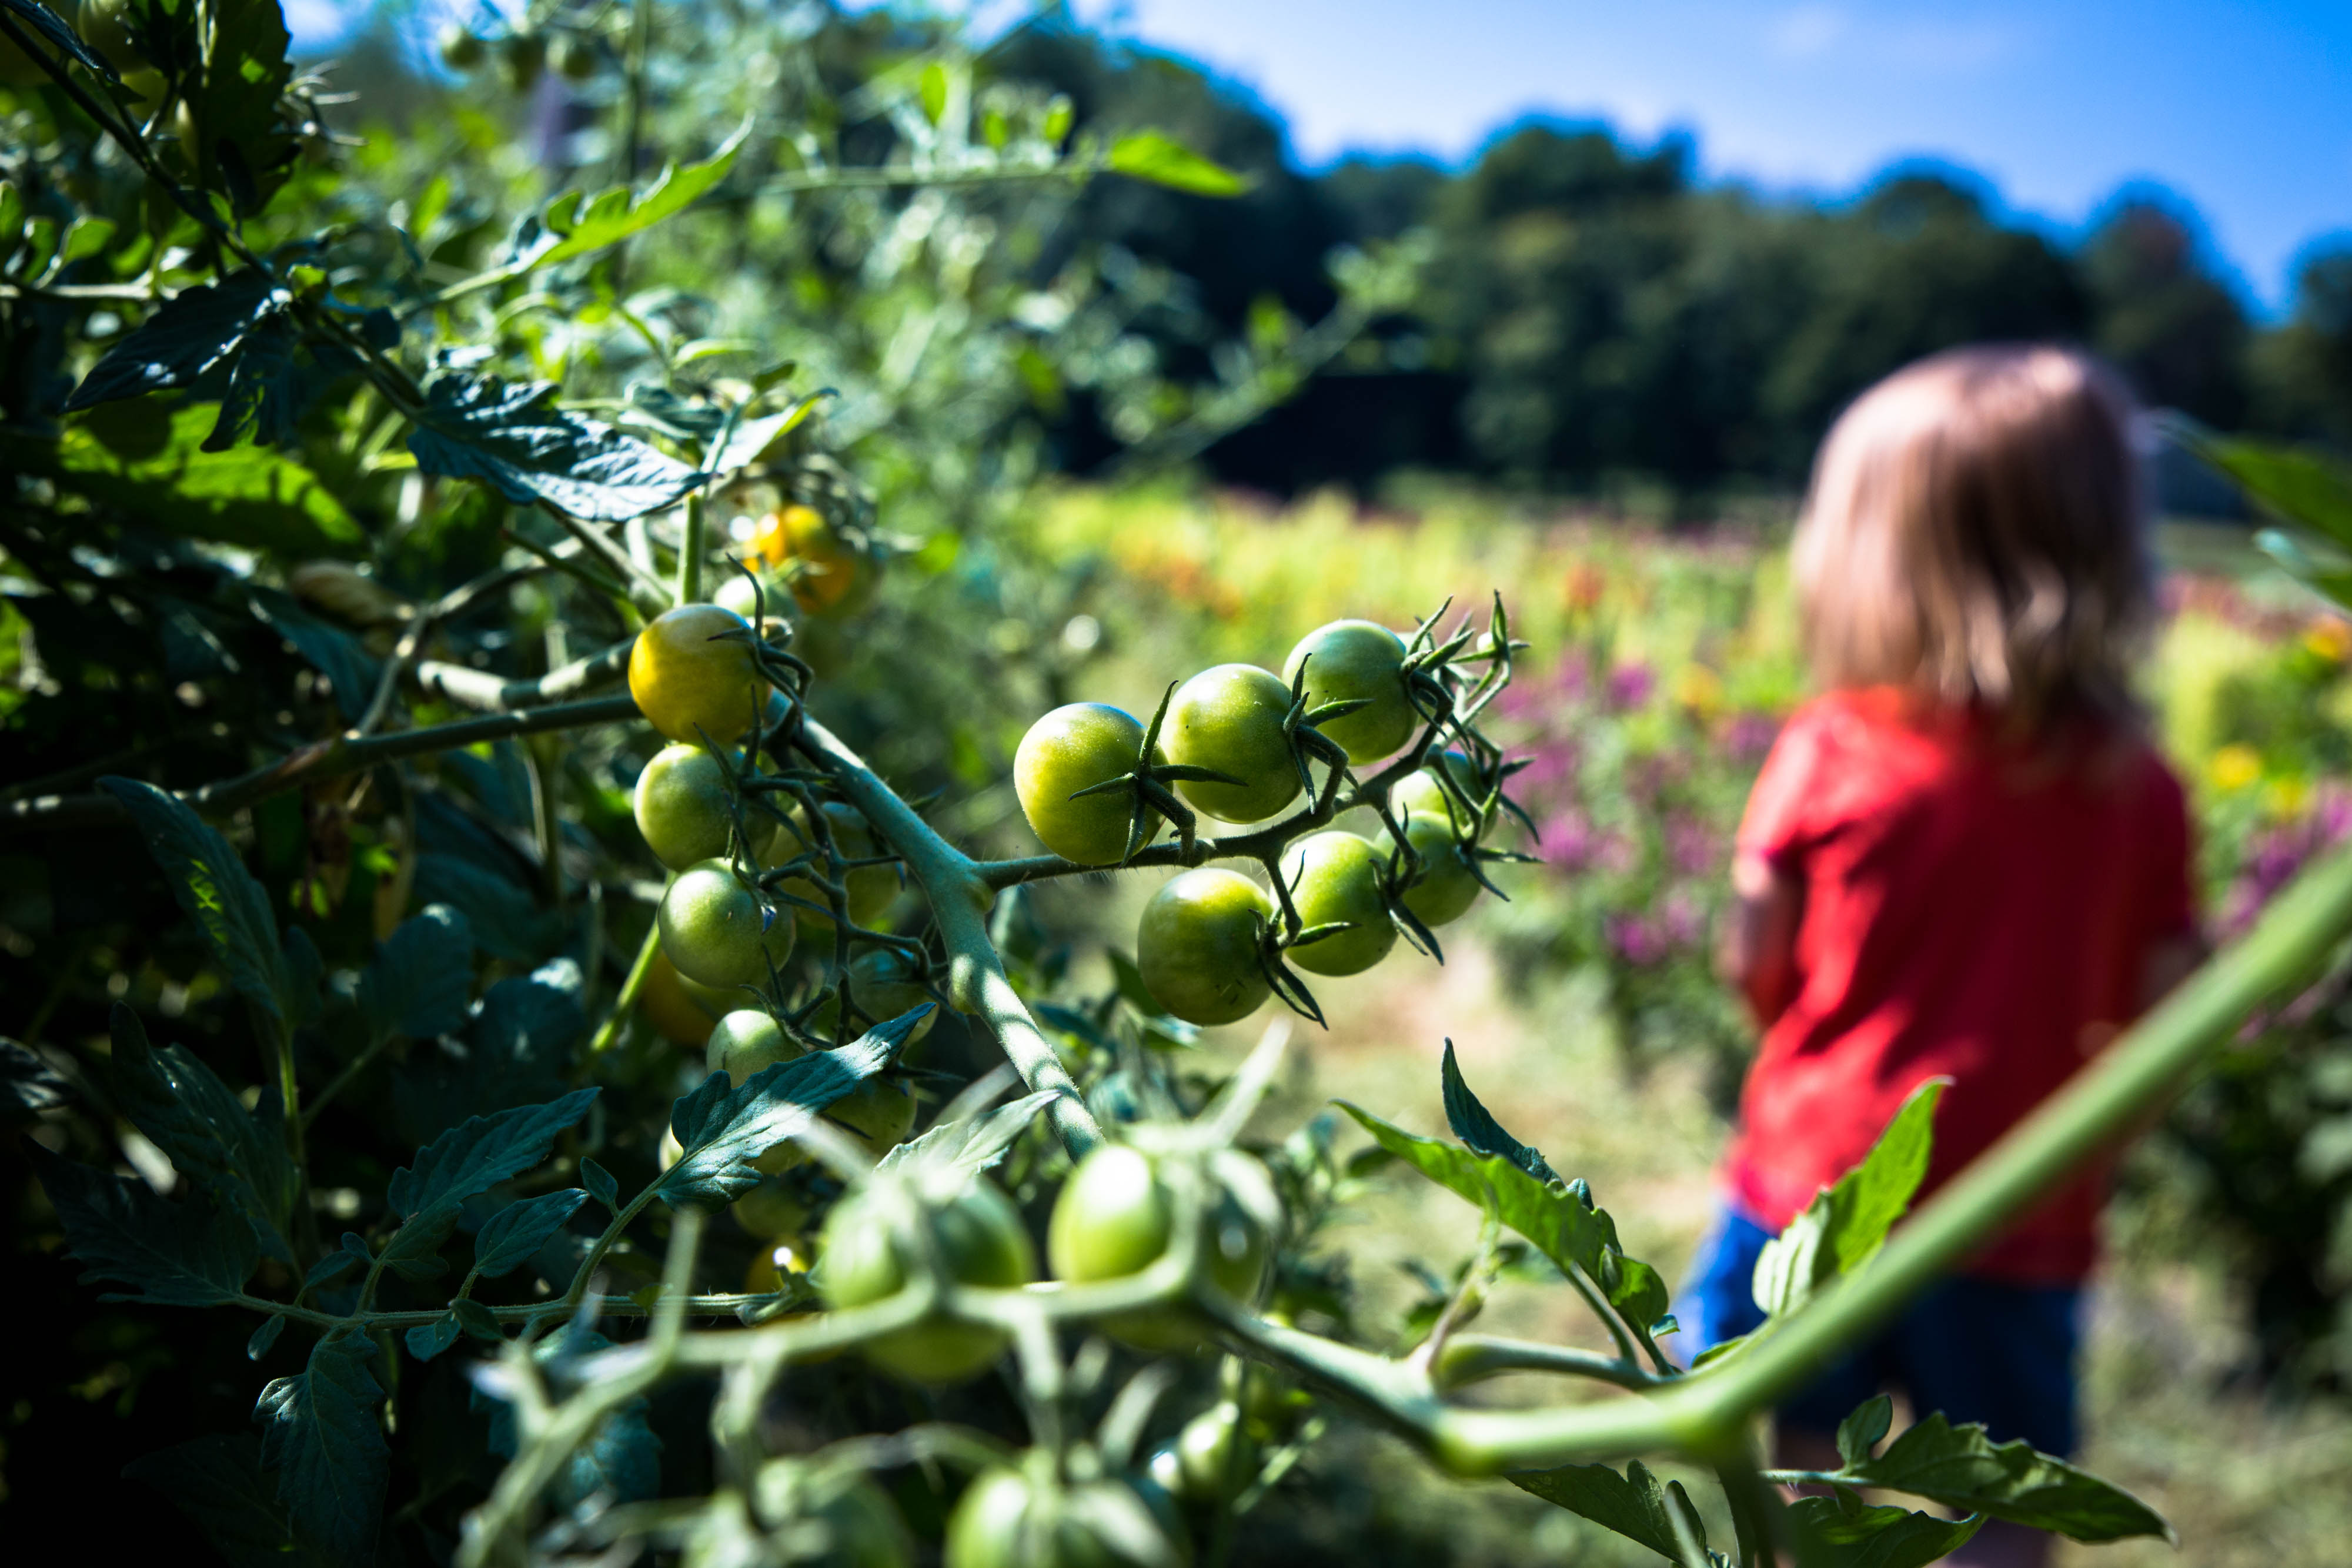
[{"x": 1756, "y": 952}]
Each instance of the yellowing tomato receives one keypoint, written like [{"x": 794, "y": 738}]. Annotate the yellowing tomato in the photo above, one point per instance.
[{"x": 689, "y": 678}]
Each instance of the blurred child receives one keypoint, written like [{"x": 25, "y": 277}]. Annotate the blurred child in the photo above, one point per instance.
[{"x": 1963, "y": 859}]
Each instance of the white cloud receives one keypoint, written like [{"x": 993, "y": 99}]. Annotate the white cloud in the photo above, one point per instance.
[{"x": 1806, "y": 32}]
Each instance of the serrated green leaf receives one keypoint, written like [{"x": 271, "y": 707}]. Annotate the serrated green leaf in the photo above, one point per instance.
[
  {"x": 1162, "y": 161},
  {"x": 1865, "y": 1429},
  {"x": 576, "y": 223},
  {"x": 1559, "y": 1219},
  {"x": 513, "y": 437},
  {"x": 502, "y": 917},
  {"x": 476, "y": 1319},
  {"x": 1961, "y": 1468},
  {"x": 188, "y": 335},
  {"x": 482, "y": 1152},
  {"x": 957, "y": 1151},
  {"x": 723, "y": 1129},
  {"x": 517, "y": 1051},
  {"x": 213, "y": 886},
  {"x": 328, "y": 649},
  {"x": 1633, "y": 1504},
  {"x": 239, "y": 1156},
  {"x": 187, "y": 1254},
  {"x": 1478, "y": 1128},
  {"x": 413, "y": 1252},
  {"x": 248, "y": 495},
  {"x": 421, "y": 978},
  {"x": 322, "y": 1435},
  {"x": 1847, "y": 1222},
  {"x": 515, "y": 1233},
  {"x": 219, "y": 1483},
  {"x": 600, "y": 1184},
  {"x": 52, "y": 29},
  {"x": 333, "y": 1266},
  {"x": 1843, "y": 1532},
  {"x": 29, "y": 1084}
]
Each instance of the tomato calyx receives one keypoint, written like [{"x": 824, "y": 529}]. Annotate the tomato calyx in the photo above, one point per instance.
[
  {"x": 1148, "y": 779},
  {"x": 1307, "y": 741}
]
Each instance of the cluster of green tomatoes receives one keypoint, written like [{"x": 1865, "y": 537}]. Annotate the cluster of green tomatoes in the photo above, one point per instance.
[
  {"x": 524, "y": 52},
  {"x": 1234, "y": 743}
]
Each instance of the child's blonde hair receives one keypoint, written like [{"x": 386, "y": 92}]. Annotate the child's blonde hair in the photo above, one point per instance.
[{"x": 1975, "y": 532}]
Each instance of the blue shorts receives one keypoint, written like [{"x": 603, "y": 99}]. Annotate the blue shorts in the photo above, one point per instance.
[{"x": 1977, "y": 1350}]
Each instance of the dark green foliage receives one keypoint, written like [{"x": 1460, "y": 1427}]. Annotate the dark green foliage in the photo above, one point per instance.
[
  {"x": 191, "y": 1253},
  {"x": 1633, "y": 1504},
  {"x": 323, "y": 1437},
  {"x": 236, "y": 1155},
  {"x": 218, "y": 1482},
  {"x": 479, "y": 427}
]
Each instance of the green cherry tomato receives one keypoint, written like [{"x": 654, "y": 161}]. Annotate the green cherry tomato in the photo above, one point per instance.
[
  {"x": 1025, "y": 1518},
  {"x": 677, "y": 1010},
  {"x": 711, "y": 928},
  {"x": 1447, "y": 886},
  {"x": 681, "y": 806},
  {"x": 1204, "y": 1455},
  {"x": 1070, "y": 749},
  {"x": 461, "y": 48},
  {"x": 685, "y": 678},
  {"x": 886, "y": 985},
  {"x": 1115, "y": 1217},
  {"x": 522, "y": 57},
  {"x": 871, "y": 888},
  {"x": 743, "y": 1044},
  {"x": 879, "y": 1113},
  {"x": 1229, "y": 718},
  {"x": 774, "y": 1210},
  {"x": 862, "y": 1528},
  {"x": 1336, "y": 877},
  {"x": 1351, "y": 659},
  {"x": 1197, "y": 946},
  {"x": 1419, "y": 794},
  {"x": 868, "y": 1257}
]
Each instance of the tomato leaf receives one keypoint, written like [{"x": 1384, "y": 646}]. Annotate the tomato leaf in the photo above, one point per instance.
[
  {"x": 513, "y": 437},
  {"x": 516, "y": 1051},
  {"x": 1847, "y": 1222},
  {"x": 249, "y": 496},
  {"x": 238, "y": 1156},
  {"x": 515, "y": 1233},
  {"x": 415, "y": 1250},
  {"x": 1633, "y": 1504},
  {"x": 1478, "y": 1129},
  {"x": 1959, "y": 1467},
  {"x": 218, "y": 1482},
  {"x": 322, "y": 1435},
  {"x": 29, "y": 1084},
  {"x": 723, "y": 1129},
  {"x": 426, "y": 1340},
  {"x": 960, "y": 1150},
  {"x": 1559, "y": 1218},
  {"x": 52, "y": 30},
  {"x": 576, "y": 223},
  {"x": 502, "y": 916},
  {"x": 1844, "y": 1532},
  {"x": 2296, "y": 484},
  {"x": 329, "y": 649},
  {"x": 482, "y": 1152},
  {"x": 600, "y": 1184},
  {"x": 187, "y": 335},
  {"x": 417, "y": 984},
  {"x": 190, "y": 1254},
  {"x": 212, "y": 884},
  {"x": 1161, "y": 160},
  {"x": 622, "y": 1457}
]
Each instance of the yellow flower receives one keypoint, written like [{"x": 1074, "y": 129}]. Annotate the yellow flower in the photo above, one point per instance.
[
  {"x": 2286, "y": 798},
  {"x": 2234, "y": 767},
  {"x": 2330, "y": 638},
  {"x": 1698, "y": 688}
]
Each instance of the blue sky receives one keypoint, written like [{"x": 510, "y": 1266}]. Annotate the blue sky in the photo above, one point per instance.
[{"x": 2242, "y": 110}]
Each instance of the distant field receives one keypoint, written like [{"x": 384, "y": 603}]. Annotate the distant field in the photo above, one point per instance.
[{"x": 1198, "y": 578}]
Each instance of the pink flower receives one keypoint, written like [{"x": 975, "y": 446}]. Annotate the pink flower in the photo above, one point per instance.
[
  {"x": 1630, "y": 686},
  {"x": 1567, "y": 840}
]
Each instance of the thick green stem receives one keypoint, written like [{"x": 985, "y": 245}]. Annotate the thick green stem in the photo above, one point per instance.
[
  {"x": 689, "y": 553},
  {"x": 960, "y": 898}
]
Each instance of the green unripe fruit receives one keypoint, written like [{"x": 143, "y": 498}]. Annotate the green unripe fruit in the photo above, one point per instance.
[
  {"x": 1075, "y": 748},
  {"x": 1028, "y": 1518},
  {"x": 774, "y": 1211},
  {"x": 886, "y": 985},
  {"x": 743, "y": 1044},
  {"x": 879, "y": 1113},
  {"x": 1419, "y": 794},
  {"x": 461, "y": 49},
  {"x": 1197, "y": 946},
  {"x": 681, "y": 805},
  {"x": 1357, "y": 659},
  {"x": 868, "y": 1258},
  {"x": 522, "y": 57},
  {"x": 1336, "y": 877},
  {"x": 713, "y": 928},
  {"x": 1116, "y": 1218},
  {"x": 1228, "y": 718},
  {"x": 1203, "y": 1451},
  {"x": 1448, "y": 887}
]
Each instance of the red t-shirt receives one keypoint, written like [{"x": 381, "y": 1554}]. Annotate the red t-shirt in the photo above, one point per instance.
[{"x": 1971, "y": 908}]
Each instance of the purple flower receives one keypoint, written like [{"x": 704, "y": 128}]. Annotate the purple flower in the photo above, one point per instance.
[
  {"x": 1617, "y": 854},
  {"x": 1681, "y": 922},
  {"x": 1636, "y": 939},
  {"x": 1567, "y": 840},
  {"x": 1690, "y": 846},
  {"x": 1630, "y": 686},
  {"x": 1749, "y": 736}
]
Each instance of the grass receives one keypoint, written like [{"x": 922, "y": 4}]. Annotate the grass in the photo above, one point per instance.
[{"x": 2245, "y": 1477}]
